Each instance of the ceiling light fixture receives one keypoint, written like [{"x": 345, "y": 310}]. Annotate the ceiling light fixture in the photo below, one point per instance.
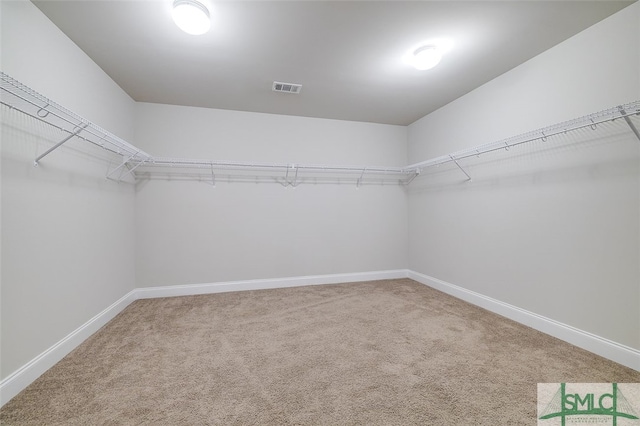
[
  {"x": 191, "y": 16},
  {"x": 427, "y": 54},
  {"x": 426, "y": 57}
]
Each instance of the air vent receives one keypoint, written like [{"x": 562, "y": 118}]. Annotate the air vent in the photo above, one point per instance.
[{"x": 279, "y": 86}]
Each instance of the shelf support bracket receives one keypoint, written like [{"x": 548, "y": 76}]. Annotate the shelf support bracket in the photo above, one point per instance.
[
  {"x": 460, "y": 167},
  {"x": 213, "y": 176},
  {"x": 124, "y": 162},
  {"x": 416, "y": 173},
  {"x": 286, "y": 178},
  {"x": 360, "y": 178},
  {"x": 47, "y": 152},
  {"x": 131, "y": 169},
  {"x": 628, "y": 120}
]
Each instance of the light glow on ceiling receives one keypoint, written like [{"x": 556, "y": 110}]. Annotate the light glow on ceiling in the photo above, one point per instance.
[
  {"x": 427, "y": 54},
  {"x": 191, "y": 16}
]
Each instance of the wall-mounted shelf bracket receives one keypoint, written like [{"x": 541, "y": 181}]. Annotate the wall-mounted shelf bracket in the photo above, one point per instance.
[
  {"x": 293, "y": 183},
  {"x": 59, "y": 144},
  {"x": 634, "y": 129},
  {"x": 416, "y": 173},
  {"x": 125, "y": 162},
  {"x": 359, "y": 181},
  {"x": 295, "y": 178},
  {"x": 286, "y": 176},
  {"x": 131, "y": 169},
  {"x": 460, "y": 167}
]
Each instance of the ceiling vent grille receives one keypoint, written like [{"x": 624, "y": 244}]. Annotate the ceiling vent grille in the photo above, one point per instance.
[{"x": 279, "y": 86}]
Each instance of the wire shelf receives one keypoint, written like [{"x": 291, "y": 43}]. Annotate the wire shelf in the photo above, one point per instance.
[
  {"x": 16, "y": 95},
  {"x": 543, "y": 134},
  {"x": 141, "y": 165}
]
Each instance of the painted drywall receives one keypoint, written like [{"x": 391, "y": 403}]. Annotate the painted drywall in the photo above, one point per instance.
[
  {"x": 191, "y": 232},
  {"x": 67, "y": 233},
  {"x": 552, "y": 227}
]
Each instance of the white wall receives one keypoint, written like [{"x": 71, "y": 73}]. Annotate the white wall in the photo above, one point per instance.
[
  {"x": 190, "y": 232},
  {"x": 555, "y": 231},
  {"x": 67, "y": 233}
]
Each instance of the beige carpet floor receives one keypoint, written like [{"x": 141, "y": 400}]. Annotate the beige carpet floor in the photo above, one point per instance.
[{"x": 377, "y": 353}]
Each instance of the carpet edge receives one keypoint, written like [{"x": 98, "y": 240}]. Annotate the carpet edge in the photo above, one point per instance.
[
  {"x": 24, "y": 376},
  {"x": 17, "y": 381},
  {"x": 606, "y": 348},
  {"x": 264, "y": 284}
]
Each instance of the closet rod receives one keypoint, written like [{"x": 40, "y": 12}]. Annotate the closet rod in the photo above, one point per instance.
[
  {"x": 169, "y": 162},
  {"x": 134, "y": 158},
  {"x": 592, "y": 120},
  {"x": 20, "y": 97},
  {"x": 62, "y": 129}
]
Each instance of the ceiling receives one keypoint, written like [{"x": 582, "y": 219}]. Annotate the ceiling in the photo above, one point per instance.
[{"x": 346, "y": 55}]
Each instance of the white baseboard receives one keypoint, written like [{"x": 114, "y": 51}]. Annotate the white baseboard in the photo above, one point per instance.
[
  {"x": 194, "y": 289},
  {"x": 598, "y": 345},
  {"x": 25, "y": 375}
]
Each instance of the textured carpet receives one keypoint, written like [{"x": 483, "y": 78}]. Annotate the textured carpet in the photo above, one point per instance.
[{"x": 384, "y": 352}]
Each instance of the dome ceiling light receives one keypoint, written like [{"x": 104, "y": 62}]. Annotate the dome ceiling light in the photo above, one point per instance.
[
  {"x": 426, "y": 57},
  {"x": 191, "y": 16},
  {"x": 427, "y": 54}
]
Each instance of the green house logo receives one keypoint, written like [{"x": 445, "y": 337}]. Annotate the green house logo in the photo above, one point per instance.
[{"x": 587, "y": 403}]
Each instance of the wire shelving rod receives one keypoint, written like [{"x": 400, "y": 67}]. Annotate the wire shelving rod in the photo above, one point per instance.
[
  {"x": 22, "y": 98},
  {"x": 18, "y": 96},
  {"x": 543, "y": 134}
]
